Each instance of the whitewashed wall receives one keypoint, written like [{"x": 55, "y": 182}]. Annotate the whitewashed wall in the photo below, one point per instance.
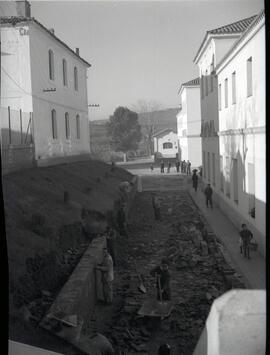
[
  {"x": 248, "y": 114},
  {"x": 64, "y": 99}
]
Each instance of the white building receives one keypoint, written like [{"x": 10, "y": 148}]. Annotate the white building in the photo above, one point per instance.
[
  {"x": 241, "y": 84},
  {"x": 189, "y": 123},
  {"x": 165, "y": 144},
  {"x": 42, "y": 75},
  {"x": 215, "y": 45}
]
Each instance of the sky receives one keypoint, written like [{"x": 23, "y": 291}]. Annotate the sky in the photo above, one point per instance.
[{"x": 138, "y": 50}]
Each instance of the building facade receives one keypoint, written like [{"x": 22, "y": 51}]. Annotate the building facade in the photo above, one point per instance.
[
  {"x": 165, "y": 144},
  {"x": 215, "y": 45},
  {"x": 189, "y": 123},
  {"x": 241, "y": 87},
  {"x": 42, "y": 75}
]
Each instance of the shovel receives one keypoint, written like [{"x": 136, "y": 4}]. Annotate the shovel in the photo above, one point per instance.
[{"x": 141, "y": 286}]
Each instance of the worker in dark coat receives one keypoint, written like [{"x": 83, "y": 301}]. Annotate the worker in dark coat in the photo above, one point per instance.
[
  {"x": 246, "y": 236},
  {"x": 163, "y": 281},
  {"x": 208, "y": 195},
  {"x": 195, "y": 180}
]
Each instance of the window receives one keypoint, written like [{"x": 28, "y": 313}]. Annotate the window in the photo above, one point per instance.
[
  {"x": 219, "y": 97},
  {"x": 204, "y": 165},
  {"x": 54, "y": 125},
  {"x": 249, "y": 76},
  {"x": 226, "y": 92},
  {"x": 51, "y": 65},
  {"x": 67, "y": 125},
  {"x": 228, "y": 187},
  {"x": 233, "y": 88},
  {"x": 208, "y": 167},
  {"x": 251, "y": 189},
  {"x": 213, "y": 169},
  {"x": 76, "y": 78},
  {"x": 78, "y": 127},
  {"x": 167, "y": 145},
  {"x": 64, "y": 72},
  {"x": 235, "y": 180},
  {"x": 221, "y": 173}
]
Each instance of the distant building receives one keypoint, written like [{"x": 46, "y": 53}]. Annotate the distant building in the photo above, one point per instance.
[
  {"x": 165, "y": 144},
  {"x": 215, "y": 45},
  {"x": 189, "y": 123},
  {"x": 241, "y": 85},
  {"x": 43, "y": 76}
]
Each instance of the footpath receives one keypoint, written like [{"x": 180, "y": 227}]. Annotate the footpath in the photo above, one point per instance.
[{"x": 253, "y": 270}]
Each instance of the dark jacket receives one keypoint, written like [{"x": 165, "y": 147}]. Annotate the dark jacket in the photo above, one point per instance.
[{"x": 208, "y": 191}]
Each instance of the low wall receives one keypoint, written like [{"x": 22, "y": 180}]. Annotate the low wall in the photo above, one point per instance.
[
  {"x": 78, "y": 296},
  {"x": 236, "y": 324},
  {"x": 62, "y": 160},
  {"x": 17, "y": 157}
]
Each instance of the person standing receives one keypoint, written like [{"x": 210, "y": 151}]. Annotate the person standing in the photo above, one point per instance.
[
  {"x": 195, "y": 180},
  {"x": 169, "y": 167},
  {"x": 163, "y": 281},
  {"x": 177, "y": 166},
  {"x": 184, "y": 166},
  {"x": 246, "y": 236},
  {"x": 208, "y": 195},
  {"x": 188, "y": 167},
  {"x": 162, "y": 167},
  {"x": 106, "y": 267}
]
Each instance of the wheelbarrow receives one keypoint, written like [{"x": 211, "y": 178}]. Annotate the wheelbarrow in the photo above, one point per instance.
[{"x": 154, "y": 308}]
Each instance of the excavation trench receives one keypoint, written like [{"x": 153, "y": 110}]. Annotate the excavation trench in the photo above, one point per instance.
[{"x": 199, "y": 274}]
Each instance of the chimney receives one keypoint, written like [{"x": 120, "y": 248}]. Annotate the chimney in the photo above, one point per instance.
[
  {"x": 51, "y": 30},
  {"x": 23, "y": 8},
  {"x": 78, "y": 51}
]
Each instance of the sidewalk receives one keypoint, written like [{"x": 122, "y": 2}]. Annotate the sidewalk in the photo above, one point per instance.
[{"x": 253, "y": 270}]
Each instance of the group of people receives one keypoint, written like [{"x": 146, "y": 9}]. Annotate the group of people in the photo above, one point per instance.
[{"x": 184, "y": 166}]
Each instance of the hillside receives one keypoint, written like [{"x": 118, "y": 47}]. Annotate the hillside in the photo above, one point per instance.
[{"x": 44, "y": 231}]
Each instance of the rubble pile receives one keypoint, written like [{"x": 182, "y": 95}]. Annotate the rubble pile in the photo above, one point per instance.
[{"x": 199, "y": 274}]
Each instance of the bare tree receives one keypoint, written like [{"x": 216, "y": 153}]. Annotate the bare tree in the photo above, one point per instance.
[{"x": 145, "y": 109}]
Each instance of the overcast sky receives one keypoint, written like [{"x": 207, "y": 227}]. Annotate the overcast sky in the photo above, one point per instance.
[{"x": 138, "y": 49}]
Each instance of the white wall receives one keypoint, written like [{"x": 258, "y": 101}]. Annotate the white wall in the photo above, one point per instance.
[
  {"x": 247, "y": 113},
  {"x": 194, "y": 126},
  {"x": 169, "y": 137},
  {"x": 16, "y": 89},
  {"x": 189, "y": 126},
  {"x": 64, "y": 99},
  {"x": 25, "y": 75}
]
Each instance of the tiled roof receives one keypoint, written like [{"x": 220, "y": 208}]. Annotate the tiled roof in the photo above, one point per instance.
[
  {"x": 192, "y": 82},
  {"x": 13, "y": 20},
  {"x": 255, "y": 21},
  {"x": 163, "y": 132},
  {"x": 235, "y": 27}
]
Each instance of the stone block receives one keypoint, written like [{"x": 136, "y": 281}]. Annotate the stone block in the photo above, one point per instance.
[{"x": 236, "y": 324}]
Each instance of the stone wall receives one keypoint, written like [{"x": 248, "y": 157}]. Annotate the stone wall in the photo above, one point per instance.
[{"x": 78, "y": 295}]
